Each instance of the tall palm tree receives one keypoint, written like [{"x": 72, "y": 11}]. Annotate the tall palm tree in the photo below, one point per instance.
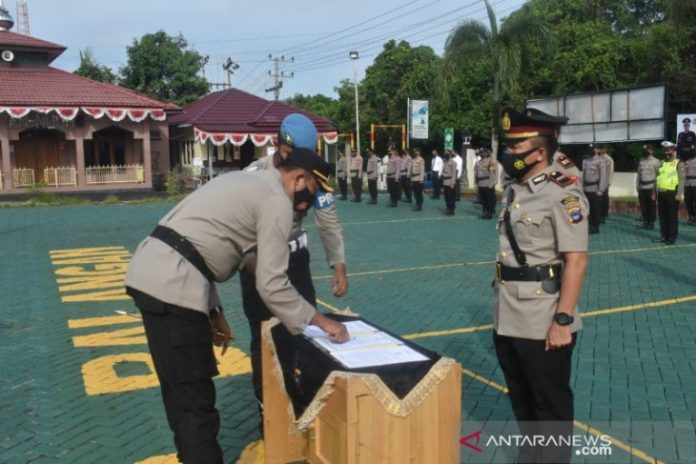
[{"x": 506, "y": 48}]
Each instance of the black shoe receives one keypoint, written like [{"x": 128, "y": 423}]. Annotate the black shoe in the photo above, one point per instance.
[
  {"x": 417, "y": 208},
  {"x": 659, "y": 240},
  {"x": 601, "y": 221},
  {"x": 356, "y": 200},
  {"x": 593, "y": 231},
  {"x": 449, "y": 212},
  {"x": 669, "y": 242}
]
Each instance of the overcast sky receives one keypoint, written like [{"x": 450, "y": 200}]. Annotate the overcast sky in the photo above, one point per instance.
[{"x": 318, "y": 33}]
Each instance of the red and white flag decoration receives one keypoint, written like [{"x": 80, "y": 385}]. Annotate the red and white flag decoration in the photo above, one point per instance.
[
  {"x": 330, "y": 137},
  {"x": 70, "y": 113},
  {"x": 237, "y": 139}
]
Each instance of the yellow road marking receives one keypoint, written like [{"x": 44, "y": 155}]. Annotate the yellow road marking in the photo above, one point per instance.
[
  {"x": 390, "y": 221},
  {"x": 439, "y": 333},
  {"x": 582, "y": 426},
  {"x": 328, "y": 306},
  {"x": 479, "y": 263}
]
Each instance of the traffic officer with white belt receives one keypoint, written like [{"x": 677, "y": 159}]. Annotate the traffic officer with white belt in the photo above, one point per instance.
[
  {"x": 670, "y": 191},
  {"x": 200, "y": 242},
  {"x": 543, "y": 241},
  {"x": 646, "y": 187},
  {"x": 296, "y": 131}
]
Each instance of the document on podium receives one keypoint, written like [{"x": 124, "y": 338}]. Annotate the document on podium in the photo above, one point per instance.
[{"x": 368, "y": 346}]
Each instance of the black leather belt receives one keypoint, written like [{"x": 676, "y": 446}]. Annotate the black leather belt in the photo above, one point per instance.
[
  {"x": 647, "y": 182},
  {"x": 185, "y": 249},
  {"x": 528, "y": 274},
  {"x": 691, "y": 177},
  {"x": 589, "y": 184}
]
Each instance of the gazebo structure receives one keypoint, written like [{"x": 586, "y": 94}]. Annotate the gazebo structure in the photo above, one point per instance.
[
  {"x": 68, "y": 133},
  {"x": 231, "y": 128}
]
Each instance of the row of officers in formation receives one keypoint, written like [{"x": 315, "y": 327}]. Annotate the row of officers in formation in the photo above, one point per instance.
[{"x": 406, "y": 177}]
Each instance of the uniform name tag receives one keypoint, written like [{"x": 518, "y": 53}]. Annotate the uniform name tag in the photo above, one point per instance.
[{"x": 323, "y": 200}]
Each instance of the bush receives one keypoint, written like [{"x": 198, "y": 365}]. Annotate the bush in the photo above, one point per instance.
[
  {"x": 176, "y": 181},
  {"x": 111, "y": 199}
]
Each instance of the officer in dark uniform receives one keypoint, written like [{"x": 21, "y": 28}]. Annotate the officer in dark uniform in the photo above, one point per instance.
[
  {"x": 543, "y": 241},
  {"x": 686, "y": 141}
]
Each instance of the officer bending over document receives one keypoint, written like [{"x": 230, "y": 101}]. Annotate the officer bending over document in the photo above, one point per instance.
[{"x": 202, "y": 241}]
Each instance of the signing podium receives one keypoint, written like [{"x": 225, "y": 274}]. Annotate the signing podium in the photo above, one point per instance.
[{"x": 383, "y": 400}]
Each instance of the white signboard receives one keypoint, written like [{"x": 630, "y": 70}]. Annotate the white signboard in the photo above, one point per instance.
[{"x": 419, "y": 119}]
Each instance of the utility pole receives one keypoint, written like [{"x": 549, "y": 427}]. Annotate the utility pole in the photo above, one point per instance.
[
  {"x": 278, "y": 75},
  {"x": 230, "y": 66}
]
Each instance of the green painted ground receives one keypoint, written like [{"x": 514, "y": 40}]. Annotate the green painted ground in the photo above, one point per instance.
[{"x": 634, "y": 371}]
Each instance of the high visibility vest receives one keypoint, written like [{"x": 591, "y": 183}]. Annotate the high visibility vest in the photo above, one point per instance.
[{"x": 668, "y": 175}]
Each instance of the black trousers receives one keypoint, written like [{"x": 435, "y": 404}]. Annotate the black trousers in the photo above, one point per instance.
[
  {"x": 668, "y": 209},
  {"x": 450, "y": 198},
  {"x": 437, "y": 184},
  {"x": 394, "y": 189},
  {"x": 406, "y": 186},
  {"x": 181, "y": 345},
  {"x": 343, "y": 187},
  {"x": 458, "y": 190},
  {"x": 647, "y": 205},
  {"x": 372, "y": 187},
  {"x": 418, "y": 193},
  {"x": 256, "y": 312},
  {"x": 488, "y": 200},
  {"x": 356, "y": 184},
  {"x": 605, "y": 204},
  {"x": 690, "y": 200},
  {"x": 538, "y": 383},
  {"x": 595, "y": 210}
]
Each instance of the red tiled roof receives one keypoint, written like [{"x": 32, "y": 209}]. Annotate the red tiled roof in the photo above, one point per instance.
[
  {"x": 46, "y": 86},
  {"x": 14, "y": 41},
  {"x": 233, "y": 110}
]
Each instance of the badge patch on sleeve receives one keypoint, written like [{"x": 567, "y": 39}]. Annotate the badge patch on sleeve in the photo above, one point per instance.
[
  {"x": 323, "y": 200},
  {"x": 571, "y": 204}
]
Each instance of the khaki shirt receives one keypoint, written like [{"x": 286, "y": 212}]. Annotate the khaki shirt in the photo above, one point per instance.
[
  {"x": 394, "y": 167},
  {"x": 406, "y": 163},
  {"x": 356, "y": 167},
  {"x": 610, "y": 167},
  {"x": 230, "y": 216},
  {"x": 547, "y": 221},
  {"x": 372, "y": 167},
  {"x": 418, "y": 169},
  {"x": 325, "y": 218},
  {"x": 449, "y": 173},
  {"x": 341, "y": 172},
  {"x": 486, "y": 172},
  {"x": 690, "y": 172},
  {"x": 594, "y": 174},
  {"x": 647, "y": 173}
]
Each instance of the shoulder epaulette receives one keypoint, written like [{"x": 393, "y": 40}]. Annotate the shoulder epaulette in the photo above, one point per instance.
[
  {"x": 562, "y": 179},
  {"x": 565, "y": 162}
]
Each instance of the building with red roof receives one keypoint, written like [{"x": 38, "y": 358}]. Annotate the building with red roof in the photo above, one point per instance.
[
  {"x": 69, "y": 133},
  {"x": 232, "y": 128}
]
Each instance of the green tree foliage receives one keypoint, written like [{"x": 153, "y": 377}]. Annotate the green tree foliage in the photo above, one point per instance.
[
  {"x": 163, "y": 67},
  {"x": 90, "y": 69}
]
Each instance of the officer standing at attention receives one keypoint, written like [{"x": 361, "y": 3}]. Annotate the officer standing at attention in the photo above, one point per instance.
[
  {"x": 670, "y": 191},
  {"x": 406, "y": 162},
  {"x": 543, "y": 242},
  {"x": 437, "y": 164},
  {"x": 356, "y": 176},
  {"x": 342, "y": 176},
  {"x": 200, "y": 242},
  {"x": 610, "y": 176},
  {"x": 393, "y": 177},
  {"x": 594, "y": 183},
  {"x": 646, "y": 187},
  {"x": 486, "y": 175},
  {"x": 461, "y": 172},
  {"x": 686, "y": 141},
  {"x": 417, "y": 178},
  {"x": 296, "y": 131},
  {"x": 372, "y": 176},
  {"x": 449, "y": 180}
]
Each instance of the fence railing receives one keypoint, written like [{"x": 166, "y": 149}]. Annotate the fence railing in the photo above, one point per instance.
[
  {"x": 115, "y": 174},
  {"x": 23, "y": 177},
  {"x": 59, "y": 176}
]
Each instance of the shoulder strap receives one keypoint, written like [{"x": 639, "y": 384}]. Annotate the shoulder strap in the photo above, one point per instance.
[{"x": 520, "y": 256}]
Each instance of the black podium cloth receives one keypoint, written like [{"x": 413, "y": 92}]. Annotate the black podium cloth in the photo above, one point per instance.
[{"x": 305, "y": 366}]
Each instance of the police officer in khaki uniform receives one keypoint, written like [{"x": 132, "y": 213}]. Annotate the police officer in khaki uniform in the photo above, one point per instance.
[
  {"x": 200, "y": 242},
  {"x": 486, "y": 176},
  {"x": 670, "y": 192},
  {"x": 342, "y": 176},
  {"x": 296, "y": 131},
  {"x": 594, "y": 183},
  {"x": 690, "y": 188},
  {"x": 356, "y": 176},
  {"x": 686, "y": 141},
  {"x": 543, "y": 242},
  {"x": 610, "y": 177},
  {"x": 405, "y": 180},
  {"x": 372, "y": 176},
  {"x": 449, "y": 181},
  {"x": 646, "y": 187},
  {"x": 417, "y": 178},
  {"x": 393, "y": 177}
]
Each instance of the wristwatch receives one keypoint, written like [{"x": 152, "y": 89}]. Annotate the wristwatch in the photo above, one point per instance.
[
  {"x": 563, "y": 319},
  {"x": 216, "y": 310}
]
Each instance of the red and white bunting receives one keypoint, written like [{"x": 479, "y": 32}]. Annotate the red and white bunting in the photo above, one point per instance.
[
  {"x": 261, "y": 140},
  {"x": 237, "y": 139},
  {"x": 69, "y": 113},
  {"x": 330, "y": 137}
]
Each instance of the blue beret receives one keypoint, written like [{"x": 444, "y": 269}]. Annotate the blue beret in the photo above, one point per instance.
[{"x": 298, "y": 131}]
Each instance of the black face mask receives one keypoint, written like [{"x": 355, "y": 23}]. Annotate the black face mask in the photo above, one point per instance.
[
  {"x": 303, "y": 196},
  {"x": 514, "y": 165}
]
